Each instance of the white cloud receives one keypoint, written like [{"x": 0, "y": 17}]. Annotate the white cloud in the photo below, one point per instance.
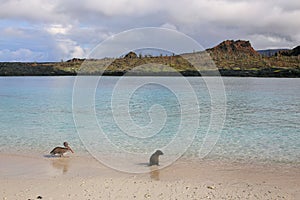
[
  {"x": 168, "y": 26},
  {"x": 68, "y": 29},
  {"x": 69, "y": 49},
  {"x": 13, "y": 32},
  {"x": 55, "y": 29},
  {"x": 31, "y": 10},
  {"x": 116, "y": 7},
  {"x": 268, "y": 41},
  {"x": 21, "y": 55}
]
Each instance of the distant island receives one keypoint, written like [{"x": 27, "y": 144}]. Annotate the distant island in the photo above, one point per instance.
[{"x": 230, "y": 58}]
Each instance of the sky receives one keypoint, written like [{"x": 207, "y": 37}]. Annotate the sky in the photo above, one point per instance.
[{"x": 55, "y": 30}]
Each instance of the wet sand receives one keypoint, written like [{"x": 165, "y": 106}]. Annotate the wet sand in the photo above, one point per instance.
[{"x": 78, "y": 177}]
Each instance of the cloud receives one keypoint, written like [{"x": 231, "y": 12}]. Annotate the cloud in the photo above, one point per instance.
[
  {"x": 55, "y": 29},
  {"x": 168, "y": 26},
  {"x": 21, "y": 55},
  {"x": 269, "y": 41},
  {"x": 31, "y": 10},
  {"x": 13, "y": 32},
  {"x": 67, "y": 48},
  {"x": 73, "y": 41},
  {"x": 237, "y": 19},
  {"x": 114, "y": 8},
  {"x": 63, "y": 29}
]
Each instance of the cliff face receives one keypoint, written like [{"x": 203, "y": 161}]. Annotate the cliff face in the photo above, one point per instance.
[{"x": 234, "y": 47}]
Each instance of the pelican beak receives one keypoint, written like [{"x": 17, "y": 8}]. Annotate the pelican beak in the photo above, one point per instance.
[{"x": 70, "y": 149}]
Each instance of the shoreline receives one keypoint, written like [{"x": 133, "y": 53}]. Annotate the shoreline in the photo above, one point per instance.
[
  {"x": 78, "y": 177},
  {"x": 260, "y": 73},
  {"x": 73, "y": 69}
]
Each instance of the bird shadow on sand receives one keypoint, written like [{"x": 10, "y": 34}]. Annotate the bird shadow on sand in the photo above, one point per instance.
[
  {"x": 54, "y": 156},
  {"x": 58, "y": 162},
  {"x": 49, "y": 156},
  {"x": 61, "y": 164}
]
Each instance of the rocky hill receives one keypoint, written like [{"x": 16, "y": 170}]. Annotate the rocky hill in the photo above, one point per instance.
[
  {"x": 234, "y": 48},
  {"x": 240, "y": 55}
]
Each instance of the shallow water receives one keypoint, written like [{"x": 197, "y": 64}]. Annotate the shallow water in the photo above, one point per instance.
[{"x": 262, "y": 117}]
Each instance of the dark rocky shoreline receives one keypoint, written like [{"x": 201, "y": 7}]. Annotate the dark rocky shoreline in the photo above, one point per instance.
[{"x": 49, "y": 69}]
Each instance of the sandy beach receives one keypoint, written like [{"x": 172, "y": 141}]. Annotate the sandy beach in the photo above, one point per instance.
[{"x": 76, "y": 177}]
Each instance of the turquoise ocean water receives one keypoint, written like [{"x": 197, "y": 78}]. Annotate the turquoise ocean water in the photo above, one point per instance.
[{"x": 262, "y": 117}]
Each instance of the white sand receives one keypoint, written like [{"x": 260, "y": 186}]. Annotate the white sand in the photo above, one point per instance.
[{"x": 24, "y": 177}]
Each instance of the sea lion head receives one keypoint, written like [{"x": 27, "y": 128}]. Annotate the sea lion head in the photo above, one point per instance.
[{"x": 159, "y": 152}]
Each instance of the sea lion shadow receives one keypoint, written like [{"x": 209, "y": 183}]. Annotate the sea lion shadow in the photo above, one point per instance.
[
  {"x": 155, "y": 175},
  {"x": 143, "y": 164},
  {"x": 154, "y": 171}
]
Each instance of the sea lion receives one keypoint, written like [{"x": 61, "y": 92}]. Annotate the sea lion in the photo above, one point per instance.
[
  {"x": 61, "y": 150},
  {"x": 154, "y": 158}
]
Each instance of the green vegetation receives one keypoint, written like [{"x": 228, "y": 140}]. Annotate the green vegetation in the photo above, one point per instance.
[{"x": 247, "y": 62}]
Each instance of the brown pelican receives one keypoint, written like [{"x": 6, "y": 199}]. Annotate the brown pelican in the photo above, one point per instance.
[{"x": 61, "y": 150}]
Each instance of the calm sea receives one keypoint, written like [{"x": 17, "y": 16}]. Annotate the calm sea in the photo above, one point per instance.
[{"x": 262, "y": 121}]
